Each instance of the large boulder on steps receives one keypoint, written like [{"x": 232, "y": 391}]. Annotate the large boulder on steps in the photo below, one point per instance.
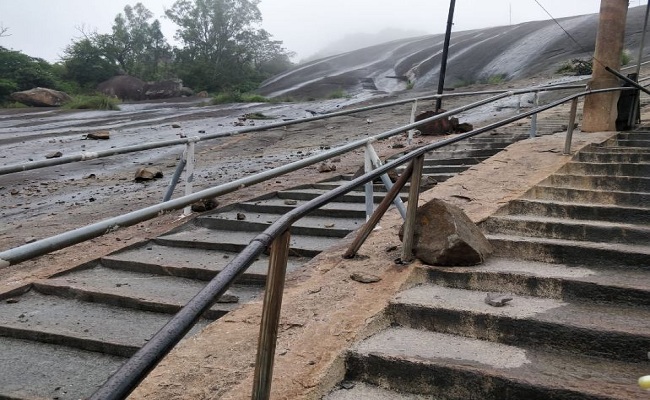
[
  {"x": 41, "y": 97},
  {"x": 444, "y": 235},
  {"x": 124, "y": 87}
]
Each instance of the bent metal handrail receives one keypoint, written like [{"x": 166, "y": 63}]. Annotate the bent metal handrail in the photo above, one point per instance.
[{"x": 127, "y": 378}]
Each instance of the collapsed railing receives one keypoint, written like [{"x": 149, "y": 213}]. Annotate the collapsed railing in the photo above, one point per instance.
[{"x": 276, "y": 237}]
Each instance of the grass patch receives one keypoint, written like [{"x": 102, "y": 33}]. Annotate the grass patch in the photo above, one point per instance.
[
  {"x": 15, "y": 105},
  {"x": 337, "y": 94},
  {"x": 626, "y": 57},
  {"x": 409, "y": 85},
  {"x": 94, "y": 102},
  {"x": 236, "y": 97},
  {"x": 496, "y": 79},
  {"x": 257, "y": 115}
]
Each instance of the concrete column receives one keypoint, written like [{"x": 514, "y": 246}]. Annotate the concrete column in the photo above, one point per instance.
[{"x": 600, "y": 109}]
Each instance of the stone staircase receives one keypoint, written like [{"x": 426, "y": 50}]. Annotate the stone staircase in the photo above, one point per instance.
[{"x": 574, "y": 254}]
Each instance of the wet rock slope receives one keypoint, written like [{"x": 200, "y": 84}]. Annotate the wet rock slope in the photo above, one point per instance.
[{"x": 574, "y": 255}]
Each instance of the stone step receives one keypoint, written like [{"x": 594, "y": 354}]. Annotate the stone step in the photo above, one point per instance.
[
  {"x": 360, "y": 390},
  {"x": 614, "y": 149},
  {"x": 257, "y": 222},
  {"x": 600, "y": 330},
  {"x": 577, "y": 211},
  {"x": 633, "y": 135},
  {"x": 455, "y": 161},
  {"x": 377, "y": 186},
  {"x": 610, "y": 255},
  {"x": 86, "y": 326},
  {"x": 629, "y": 286},
  {"x": 599, "y": 182},
  {"x": 451, "y": 367},
  {"x": 192, "y": 263},
  {"x": 563, "y": 194},
  {"x": 60, "y": 372},
  {"x": 603, "y": 156},
  {"x": 460, "y": 154},
  {"x": 610, "y": 169},
  {"x": 202, "y": 238},
  {"x": 633, "y": 143},
  {"x": 140, "y": 291},
  {"x": 277, "y": 205},
  {"x": 310, "y": 194},
  {"x": 561, "y": 228}
]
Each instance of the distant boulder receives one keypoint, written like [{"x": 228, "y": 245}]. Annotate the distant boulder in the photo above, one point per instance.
[
  {"x": 41, "y": 97},
  {"x": 124, "y": 87},
  {"x": 163, "y": 89}
]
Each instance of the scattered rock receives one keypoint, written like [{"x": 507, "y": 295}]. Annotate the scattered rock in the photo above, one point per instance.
[
  {"x": 176, "y": 126},
  {"x": 55, "y": 154},
  {"x": 12, "y": 300},
  {"x": 228, "y": 298},
  {"x": 203, "y": 94},
  {"x": 99, "y": 135},
  {"x": 347, "y": 385},
  {"x": 90, "y": 176},
  {"x": 147, "y": 174},
  {"x": 427, "y": 183},
  {"x": 444, "y": 235},
  {"x": 364, "y": 278},
  {"x": 241, "y": 216},
  {"x": 326, "y": 167},
  {"x": 205, "y": 205},
  {"x": 398, "y": 145},
  {"x": 289, "y": 202},
  {"x": 14, "y": 192},
  {"x": 30, "y": 239},
  {"x": 329, "y": 225},
  {"x": 497, "y": 300},
  {"x": 41, "y": 97}
]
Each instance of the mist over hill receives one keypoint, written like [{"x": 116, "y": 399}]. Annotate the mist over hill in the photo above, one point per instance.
[{"x": 483, "y": 55}]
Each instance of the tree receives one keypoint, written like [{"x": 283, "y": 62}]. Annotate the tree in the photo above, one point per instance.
[
  {"x": 222, "y": 46},
  {"x": 86, "y": 62},
  {"x": 19, "y": 72},
  {"x": 3, "y": 31}
]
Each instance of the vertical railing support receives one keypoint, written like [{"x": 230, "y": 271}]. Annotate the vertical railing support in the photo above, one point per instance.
[
  {"x": 370, "y": 201},
  {"x": 414, "y": 108},
  {"x": 177, "y": 174},
  {"x": 572, "y": 123},
  {"x": 189, "y": 173},
  {"x": 385, "y": 179},
  {"x": 533, "y": 121},
  {"x": 270, "y": 317},
  {"x": 412, "y": 207}
]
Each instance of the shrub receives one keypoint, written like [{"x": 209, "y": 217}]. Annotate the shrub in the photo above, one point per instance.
[
  {"x": 337, "y": 94},
  {"x": 93, "y": 102},
  {"x": 237, "y": 97}
]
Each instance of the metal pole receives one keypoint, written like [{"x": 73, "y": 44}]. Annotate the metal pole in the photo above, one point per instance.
[
  {"x": 189, "y": 175},
  {"x": 412, "y": 207},
  {"x": 370, "y": 201},
  {"x": 271, "y": 317},
  {"x": 533, "y": 121},
  {"x": 414, "y": 108},
  {"x": 572, "y": 122},
  {"x": 445, "y": 53},
  {"x": 635, "y": 107},
  {"x": 177, "y": 174},
  {"x": 376, "y": 163}
]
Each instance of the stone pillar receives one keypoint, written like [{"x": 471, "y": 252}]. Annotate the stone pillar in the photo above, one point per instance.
[{"x": 600, "y": 109}]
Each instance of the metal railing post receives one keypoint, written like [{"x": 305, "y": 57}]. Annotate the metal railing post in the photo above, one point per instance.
[
  {"x": 189, "y": 173},
  {"x": 409, "y": 224},
  {"x": 414, "y": 108},
  {"x": 370, "y": 201},
  {"x": 533, "y": 121},
  {"x": 177, "y": 174},
  {"x": 572, "y": 122},
  {"x": 270, "y": 317},
  {"x": 385, "y": 179}
]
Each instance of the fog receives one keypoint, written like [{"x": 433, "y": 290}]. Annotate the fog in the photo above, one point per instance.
[{"x": 43, "y": 28}]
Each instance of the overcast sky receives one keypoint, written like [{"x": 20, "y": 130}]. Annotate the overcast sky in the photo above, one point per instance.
[{"x": 43, "y": 28}]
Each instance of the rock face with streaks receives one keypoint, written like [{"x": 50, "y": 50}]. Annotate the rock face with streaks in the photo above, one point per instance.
[{"x": 444, "y": 235}]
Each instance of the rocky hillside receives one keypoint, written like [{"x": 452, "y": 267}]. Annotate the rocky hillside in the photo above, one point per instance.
[{"x": 493, "y": 54}]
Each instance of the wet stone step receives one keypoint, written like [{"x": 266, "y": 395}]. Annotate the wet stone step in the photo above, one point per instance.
[
  {"x": 560, "y": 228},
  {"x": 360, "y": 390},
  {"x": 558, "y": 209},
  {"x": 629, "y": 286},
  {"x": 202, "y": 238},
  {"x": 451, "y": 367},
  {"x": 441, "y": 154},
  {"x": 277, "y": 205},
  {"x": 86, "y": 326},
  {"x": 610, "y": 169},
  {"x": 625, "y": 199},
  {"x": 589, "y": 254},
  {"x": 141, "y": 291},
  {"x": 310, "y": 194},
  {"x": 613, "y": 158},
  {"x": 633, "y": 143},
  {"x": 600, "y": 182},
  {"x": 36, "y": 370},
  {"x": 608, "y": 331},
  {"x": 202, "y": 264}
]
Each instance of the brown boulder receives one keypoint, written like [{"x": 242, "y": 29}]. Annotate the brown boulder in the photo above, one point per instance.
[
  {"x": 444, "y": 235},
  {"x": 41, "y": 97},
  {"x": 202, "y": 94},
  {"x": 124, "y": 87},
  {"x": 147, "y": 174},
  {"x": 438, "y": 127},
  {"x": 163, "y": 89},
  {"x": 99, "y": 135}
]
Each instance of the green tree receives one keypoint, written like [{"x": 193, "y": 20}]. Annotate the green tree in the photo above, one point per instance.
[
  {"x": 221, "y": 43},
  {"x": 86, "y": 62},
  {"x": 19, "y": 71}
]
